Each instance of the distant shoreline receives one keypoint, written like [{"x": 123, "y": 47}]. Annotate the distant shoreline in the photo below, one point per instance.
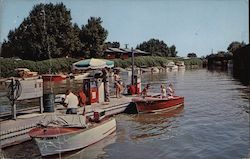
[{"x": 56, "y": 65}]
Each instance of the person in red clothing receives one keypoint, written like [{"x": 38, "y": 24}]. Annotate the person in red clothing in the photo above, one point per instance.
[{"x": 82, "y": 100}]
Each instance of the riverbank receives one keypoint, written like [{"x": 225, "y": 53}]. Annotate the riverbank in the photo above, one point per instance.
[{"x": 56, "y": 65}]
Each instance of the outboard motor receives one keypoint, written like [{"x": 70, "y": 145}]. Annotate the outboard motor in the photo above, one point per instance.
[{"x": 99, "y": 115}]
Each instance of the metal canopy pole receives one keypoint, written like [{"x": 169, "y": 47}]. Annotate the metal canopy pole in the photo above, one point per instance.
[{"x": 133, "y": 63}]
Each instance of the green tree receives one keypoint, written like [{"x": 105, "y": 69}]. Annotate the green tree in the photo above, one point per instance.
[
  {"x": 6, "y": 50},
  {"x": 234, "y": 46},
  {"x": 191, "y": 55},
  {"x": 155, "y": 47},
  {"x": 112, "y": 44},
  {"x": 172, "y": 50},
  {"x": 93, "y": 36},
  {"x": 46, "y": 32}
]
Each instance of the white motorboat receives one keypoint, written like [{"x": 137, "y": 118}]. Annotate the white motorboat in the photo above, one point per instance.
[
  {"x": 70, "y": 132},
  {"x": 172, "y": 67}
]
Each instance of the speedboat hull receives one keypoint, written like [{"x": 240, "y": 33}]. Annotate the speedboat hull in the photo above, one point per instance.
[
  {"x": 56, "y": 140},
  {"x": 55, "y": 78},
  {"x": 154, "y": 104}
]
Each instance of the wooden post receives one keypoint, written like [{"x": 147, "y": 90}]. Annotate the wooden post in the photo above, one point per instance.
[
  {"x": 13, "y": 110},
  {"x": 41, "y": 105},
  {"x": 13, "y": 104}
]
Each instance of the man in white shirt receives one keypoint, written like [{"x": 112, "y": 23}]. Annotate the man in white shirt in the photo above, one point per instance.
[{"x": 71, "y": 102}]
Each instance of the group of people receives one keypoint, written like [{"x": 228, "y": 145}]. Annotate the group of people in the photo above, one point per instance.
[
  {"x": 166, "y": 92},
  {"x": 72, "y": 101}
]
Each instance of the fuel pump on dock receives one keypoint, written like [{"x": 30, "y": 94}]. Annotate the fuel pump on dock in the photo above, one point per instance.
[
  {"x": 136, "y": 88},
  {"x": 90, "y": 90}
]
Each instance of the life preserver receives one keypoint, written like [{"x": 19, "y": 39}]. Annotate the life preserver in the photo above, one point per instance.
[{"x": 82, "y": 98}]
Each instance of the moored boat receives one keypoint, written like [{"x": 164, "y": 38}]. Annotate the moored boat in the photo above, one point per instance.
[
  {"x": 155, "y": 104},
  {"x": 79, "y": 76},
  {"x": 53, "y": 140},
  {"x": 180, "y": 65},
  {"x": 53, "y": 77},
  {"x": 26, "y": 73},
  {"x": 171, "y": 66}
]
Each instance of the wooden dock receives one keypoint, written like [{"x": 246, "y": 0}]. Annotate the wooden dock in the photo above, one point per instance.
[{"x": 15, "y": 131}]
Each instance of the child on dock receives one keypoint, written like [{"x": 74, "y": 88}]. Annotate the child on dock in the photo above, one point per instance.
[{"x": 118, "y": 84}]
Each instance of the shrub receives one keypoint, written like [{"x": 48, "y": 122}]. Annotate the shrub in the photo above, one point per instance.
[{"x": 8, "y": 65}]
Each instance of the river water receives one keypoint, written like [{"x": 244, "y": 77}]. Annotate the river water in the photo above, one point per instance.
[{"x": 214, "y": 123}]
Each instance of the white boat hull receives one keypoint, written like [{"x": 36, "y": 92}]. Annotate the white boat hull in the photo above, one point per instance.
[
  {"x": 81, "y": 76},
  {"x": 76, "y": 140}
]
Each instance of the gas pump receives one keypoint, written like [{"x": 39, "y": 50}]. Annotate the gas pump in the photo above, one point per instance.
[
  {"x": 90, "y": 89},
  {"x": 137, "y": 84},
  {"x": 136, "y": 88}
]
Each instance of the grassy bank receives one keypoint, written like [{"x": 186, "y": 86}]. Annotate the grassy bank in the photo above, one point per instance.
[
  {"x": 150, "y": 61},
  {"x": 8, "y": 65}
]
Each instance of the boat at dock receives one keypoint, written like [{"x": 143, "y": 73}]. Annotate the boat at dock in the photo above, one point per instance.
[
  {"x": 71, "y": 132},
  {"x": 171, "y": 66},
  {"x": 53, "y": 77},
  {"x": 181, "y": 65},
  {"x": 26, "y": 73},
  {"x": 155, "y": 104},
  {"x": 79, "y": 76}
]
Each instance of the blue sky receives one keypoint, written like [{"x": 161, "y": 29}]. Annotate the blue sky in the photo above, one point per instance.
[{"x": 198, "y": 26}]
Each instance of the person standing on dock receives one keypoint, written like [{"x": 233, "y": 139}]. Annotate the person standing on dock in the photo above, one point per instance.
[
  {"x": 118, "y": 84},
  {"x": 82, "y": 100},
  {"x": 105, "y": 79},
  {"x": 71, "y": 102}
]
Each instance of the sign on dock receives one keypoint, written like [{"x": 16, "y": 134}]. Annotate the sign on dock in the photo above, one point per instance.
[{"x": 31, "y": 89}]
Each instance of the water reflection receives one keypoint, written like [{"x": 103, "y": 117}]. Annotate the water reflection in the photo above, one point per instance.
[
  {"x": 155, "y": 125},
  {"x": 159, "y": 117},
  {"x": 29, "y": 150},
  {"x": 61, "y": 86},
  {"x": 92, "y": 152}
]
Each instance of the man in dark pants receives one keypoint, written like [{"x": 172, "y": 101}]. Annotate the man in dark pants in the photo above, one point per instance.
[{"x": 105, "y": 80}]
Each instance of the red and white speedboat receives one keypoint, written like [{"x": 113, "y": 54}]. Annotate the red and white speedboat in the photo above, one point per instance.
[
  {"x": 53, "y": 77},
  {"x": 155, "y": 104},
  {"x": 70, "y": 133}
]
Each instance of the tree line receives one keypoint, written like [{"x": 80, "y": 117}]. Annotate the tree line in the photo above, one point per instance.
[
  {"x": 48, "y": 32},
  {"x": 231, "y": 49}
]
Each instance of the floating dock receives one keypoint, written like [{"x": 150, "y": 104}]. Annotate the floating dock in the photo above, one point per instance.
[{"x": 15, "y": 131}]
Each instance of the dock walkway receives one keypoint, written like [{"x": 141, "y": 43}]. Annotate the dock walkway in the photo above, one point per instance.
[{"x": 15, "y": 131}]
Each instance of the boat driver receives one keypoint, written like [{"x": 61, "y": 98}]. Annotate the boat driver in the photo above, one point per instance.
[
  {"x": 71, "y": 102},
  {"x": 144, "y": 92},
  {"x": 170, "y": 91}
]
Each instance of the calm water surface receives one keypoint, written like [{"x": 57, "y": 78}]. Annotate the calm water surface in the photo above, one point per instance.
[{"x": 214, "y": 123}]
